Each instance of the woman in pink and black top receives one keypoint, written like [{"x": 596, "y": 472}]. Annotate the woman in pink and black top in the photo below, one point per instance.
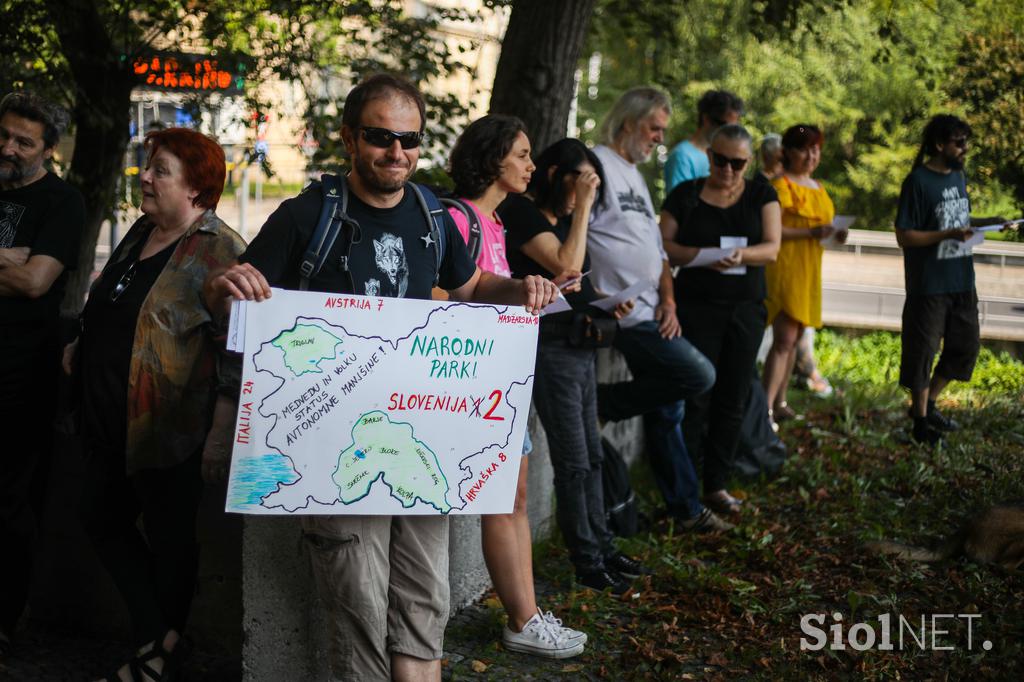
[{"x": 490, "y": 160}]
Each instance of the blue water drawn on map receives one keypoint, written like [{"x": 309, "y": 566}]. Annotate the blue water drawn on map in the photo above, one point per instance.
[
  {"x": 360, "y": 454},
  {"x": 258, "y": 476}
]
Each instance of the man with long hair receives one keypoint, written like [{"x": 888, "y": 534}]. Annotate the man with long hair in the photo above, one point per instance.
[{"x": 933, "y": 226}]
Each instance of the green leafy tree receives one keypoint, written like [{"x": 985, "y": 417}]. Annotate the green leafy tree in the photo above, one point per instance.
[
  {"x": 870, "y": 73},
  {"x": 535, "y": 73},
  {"x": 988, "y": 83},
  {"x": 81, "y": 52}
]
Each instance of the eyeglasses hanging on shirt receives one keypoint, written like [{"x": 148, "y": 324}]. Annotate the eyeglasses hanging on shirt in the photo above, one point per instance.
[{"x": 124, "y": 282}]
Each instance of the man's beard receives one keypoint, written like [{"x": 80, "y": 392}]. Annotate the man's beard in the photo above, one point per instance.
[
  {"x": 365, "y": 170},
  {"x": 635, "y": 149},
  {"x": 955, "y": 162},
  {"x": 11, "y": 170}
]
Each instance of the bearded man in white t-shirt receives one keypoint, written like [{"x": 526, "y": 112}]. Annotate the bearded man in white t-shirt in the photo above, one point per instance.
[{"x": 624, "y": 243}]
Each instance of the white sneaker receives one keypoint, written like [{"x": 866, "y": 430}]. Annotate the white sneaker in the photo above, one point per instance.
[
  {"x": 541, "y": 638},
  {"x": 568, "y": 633}
]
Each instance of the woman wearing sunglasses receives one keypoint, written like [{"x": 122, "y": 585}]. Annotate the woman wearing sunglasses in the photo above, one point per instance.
[
  {"x": 490, "y": 161},
  {"x": 794, "y": 280},
  {"x": 147, "y": 376},
  {"x": 720, "y": 304},
  {"x": 547, "y": 234}
]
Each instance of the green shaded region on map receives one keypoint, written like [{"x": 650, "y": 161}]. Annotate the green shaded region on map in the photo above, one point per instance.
[
  {"x": 305, "y": 347},
  {"x": 409, "y": 467}
]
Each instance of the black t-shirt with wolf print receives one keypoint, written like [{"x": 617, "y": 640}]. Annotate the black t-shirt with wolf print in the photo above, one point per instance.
[
  {"x": 392, "y": 257},
  {"x": 48, "y": 217}
]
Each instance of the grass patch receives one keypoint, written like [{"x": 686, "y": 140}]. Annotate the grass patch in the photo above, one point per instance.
[{"x": 729, "y": 606}]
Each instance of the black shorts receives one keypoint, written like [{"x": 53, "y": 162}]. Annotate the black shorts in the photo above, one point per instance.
[{"x": 951, "y": 318}]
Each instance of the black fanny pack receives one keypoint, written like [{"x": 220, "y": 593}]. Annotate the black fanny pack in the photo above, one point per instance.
[{"x": 583, "y": 331}]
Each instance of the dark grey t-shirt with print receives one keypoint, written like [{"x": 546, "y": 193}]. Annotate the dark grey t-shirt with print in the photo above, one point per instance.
[{"x": 936, "y": 201}]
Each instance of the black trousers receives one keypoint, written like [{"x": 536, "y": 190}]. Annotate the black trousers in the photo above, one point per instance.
[
  {"x": 155, "y": 568},
  {"x": 29, "y": 371},
  {"x": 728, "y": 334},
  {"x": 565, "y": 395}
]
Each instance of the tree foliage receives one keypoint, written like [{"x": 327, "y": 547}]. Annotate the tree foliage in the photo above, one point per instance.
[
  {"x": 869, "y": 72},
  {"x": 535, "y": 73},
  {"x": 81, "y": 52},
  {"x": 989, "y": 86}
]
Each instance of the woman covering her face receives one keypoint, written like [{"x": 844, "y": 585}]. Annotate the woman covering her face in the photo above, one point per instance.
[{"x": 547, "y": 235}]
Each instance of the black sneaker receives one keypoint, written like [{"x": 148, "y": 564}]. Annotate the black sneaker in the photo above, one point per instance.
[
  {"x": 939, "y": 421},
  {"x": 603, "y": 579},
  {"x": 924, "y": 434},
  {"x": 627, "y": 566}
]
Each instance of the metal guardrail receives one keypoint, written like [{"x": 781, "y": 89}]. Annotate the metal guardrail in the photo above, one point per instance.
[
  {"x": 873, "y": 241},
  {"x": 858, "y": 305}
]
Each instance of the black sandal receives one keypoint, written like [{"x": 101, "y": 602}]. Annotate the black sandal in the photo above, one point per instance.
[{"x": 140, "y": 670}]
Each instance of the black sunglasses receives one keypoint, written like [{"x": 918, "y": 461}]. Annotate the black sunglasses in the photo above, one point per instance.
[
  {"x": 384, "y": 138},
  {"x": 960, "y": 142},
  {"x": 722, "y": 161},
  {"x": 123, "y": 283}
]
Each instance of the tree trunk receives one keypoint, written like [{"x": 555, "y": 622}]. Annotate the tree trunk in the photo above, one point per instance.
[
  {"x": 103, "y": 85},
  {"x": 537, "y": 67}
]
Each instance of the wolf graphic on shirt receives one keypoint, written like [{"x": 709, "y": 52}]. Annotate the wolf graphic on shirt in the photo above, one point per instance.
[
  {"x": 389, "y": 252},
  {"x": 953, "y": 212},
  {"x": 10, "y": 216}
]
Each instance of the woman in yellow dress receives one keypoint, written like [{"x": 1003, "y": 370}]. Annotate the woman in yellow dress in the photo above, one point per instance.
[{"x": 794, "y": 279}]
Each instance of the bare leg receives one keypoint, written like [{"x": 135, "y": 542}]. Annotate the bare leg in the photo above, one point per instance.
[
  {"x": 779, "y": 363},
  {"x": 935, "y": 387},
  {"x": 790, "y": 364},
  {"x": 410, "y": 669},
  {"x": 508, "y": 553}
]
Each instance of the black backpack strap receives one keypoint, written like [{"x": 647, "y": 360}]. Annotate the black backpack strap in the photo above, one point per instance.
[
  {"x": 335, "y": 202},
  {"x": 474, "y": 241},
  {"x": 434, "y": 212}
]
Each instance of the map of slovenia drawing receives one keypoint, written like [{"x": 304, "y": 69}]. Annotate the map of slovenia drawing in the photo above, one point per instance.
[{"x": 329, "y": 432}]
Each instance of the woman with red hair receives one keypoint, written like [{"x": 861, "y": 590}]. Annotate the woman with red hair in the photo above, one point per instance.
[
  {"x": 794, "y": 279},
  {"x": 153, "y": 422}
]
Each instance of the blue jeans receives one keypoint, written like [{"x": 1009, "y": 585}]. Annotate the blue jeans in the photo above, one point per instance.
[{"x": 665, "y": 373}]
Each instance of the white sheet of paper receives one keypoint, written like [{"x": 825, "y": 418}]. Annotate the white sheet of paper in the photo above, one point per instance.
[
  {"x": 559, "y": 305},
  {"x": 730, "y": 243},
  {"x": 998, "y": 226},
  {"x": 707, "y": 256},
  {"x": 608, "y": 303},
  {"x": 236, "y": 327},
  {"x": 976, "y": 238},
  {"x": 842, "y": 224}
]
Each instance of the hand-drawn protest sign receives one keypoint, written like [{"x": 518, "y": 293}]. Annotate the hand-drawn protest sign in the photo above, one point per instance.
[{"x": 361, "y": 405}]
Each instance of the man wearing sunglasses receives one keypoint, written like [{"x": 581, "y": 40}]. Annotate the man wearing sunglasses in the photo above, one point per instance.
[
  {"x": 933, "y": 226},
  {"x": 382, "y": 579},
  {"x": 688, "y": 160},
  {"x": 41, "y": 220}
]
